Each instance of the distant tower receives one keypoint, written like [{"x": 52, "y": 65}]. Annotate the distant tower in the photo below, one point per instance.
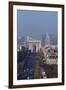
[
  {"x": 43, "y": 39},
  {"x": 28, "y": 38},
  {"x": 47, "y": 40}
]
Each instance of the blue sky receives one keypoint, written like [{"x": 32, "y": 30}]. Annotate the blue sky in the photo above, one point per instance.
[{"x": 35, "y": 23}]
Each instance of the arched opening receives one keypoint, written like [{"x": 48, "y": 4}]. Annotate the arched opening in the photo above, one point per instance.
[{"x": 34, "y": 48}]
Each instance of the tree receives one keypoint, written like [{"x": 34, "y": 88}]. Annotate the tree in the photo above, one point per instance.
[{"x": 41, "y": 56}]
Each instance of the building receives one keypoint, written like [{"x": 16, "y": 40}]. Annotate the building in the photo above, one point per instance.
[
  {"x": 47, "y": 40},
  {"x": 33, "y": 44},
  {"x": 51, "y": 54},
  {"x": 20, "y": 46}
]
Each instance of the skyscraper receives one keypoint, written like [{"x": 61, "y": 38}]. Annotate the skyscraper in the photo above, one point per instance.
[{"x": 47, "y": 39}]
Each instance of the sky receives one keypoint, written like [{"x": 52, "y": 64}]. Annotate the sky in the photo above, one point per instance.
[{"x": 36, "y": 23}]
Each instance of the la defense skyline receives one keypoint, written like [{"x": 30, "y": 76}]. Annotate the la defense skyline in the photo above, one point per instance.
[
  {"x": 52, "y": 39},
  {"x": 36, "y": 23}
]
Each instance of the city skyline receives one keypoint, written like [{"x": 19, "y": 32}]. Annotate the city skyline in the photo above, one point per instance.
[{"x": 52, "y": 39}]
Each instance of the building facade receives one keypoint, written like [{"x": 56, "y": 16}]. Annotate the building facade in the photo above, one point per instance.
[{"x": 33, "y": 44}]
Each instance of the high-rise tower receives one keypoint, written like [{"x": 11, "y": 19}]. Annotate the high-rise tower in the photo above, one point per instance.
[{"x": 47, "y": 40}]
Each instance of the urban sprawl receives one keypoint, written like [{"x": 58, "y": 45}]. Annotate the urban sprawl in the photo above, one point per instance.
[{"x": 37, "y": 61}]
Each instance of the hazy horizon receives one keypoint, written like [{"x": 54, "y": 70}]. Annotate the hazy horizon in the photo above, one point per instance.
[{"x": 36, "y": 23}]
